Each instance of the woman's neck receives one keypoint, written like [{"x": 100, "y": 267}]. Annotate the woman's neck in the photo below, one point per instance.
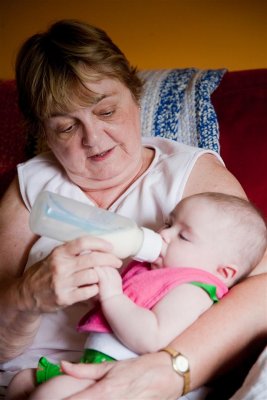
[{"x": 104, "y": 198}]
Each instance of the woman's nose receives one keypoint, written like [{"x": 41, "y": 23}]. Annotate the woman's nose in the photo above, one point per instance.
[
  {"x": 90, "y": 135},
  {"x": 85, "y": 141}
]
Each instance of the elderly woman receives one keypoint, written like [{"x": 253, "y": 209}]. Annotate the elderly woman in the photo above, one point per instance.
[{"x": 78, "y": 90}]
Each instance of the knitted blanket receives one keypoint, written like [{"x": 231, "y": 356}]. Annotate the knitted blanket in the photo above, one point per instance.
[{"x": 176, "y": 104}]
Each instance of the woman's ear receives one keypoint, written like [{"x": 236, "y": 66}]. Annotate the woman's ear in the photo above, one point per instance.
[{"x": 228, "y": 272}]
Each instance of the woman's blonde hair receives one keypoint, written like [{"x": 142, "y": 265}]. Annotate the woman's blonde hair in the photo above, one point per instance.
[{"x": 53, "y": 67}]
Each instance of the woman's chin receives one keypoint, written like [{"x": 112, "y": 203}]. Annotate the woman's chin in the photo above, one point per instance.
[{"x": 99, "y": 182}]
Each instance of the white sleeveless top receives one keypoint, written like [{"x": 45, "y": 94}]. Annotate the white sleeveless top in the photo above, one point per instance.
[{"x": 148, "y": 201}]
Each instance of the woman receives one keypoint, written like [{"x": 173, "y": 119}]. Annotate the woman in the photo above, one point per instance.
[{"x": 77, "y": 88}]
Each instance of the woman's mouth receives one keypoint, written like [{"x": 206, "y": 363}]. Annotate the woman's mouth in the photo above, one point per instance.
[{"x": 101, "y": 156}]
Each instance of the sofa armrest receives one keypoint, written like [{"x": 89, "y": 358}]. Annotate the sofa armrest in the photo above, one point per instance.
[
  {"x": 241, "y": 106},
  {"x": 13, "y": 137}
]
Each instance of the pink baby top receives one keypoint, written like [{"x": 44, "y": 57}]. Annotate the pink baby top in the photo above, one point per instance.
[{"x": 146, "y": 287}]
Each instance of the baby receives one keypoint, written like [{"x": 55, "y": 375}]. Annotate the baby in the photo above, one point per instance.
[{"x": 210, "y": 242}]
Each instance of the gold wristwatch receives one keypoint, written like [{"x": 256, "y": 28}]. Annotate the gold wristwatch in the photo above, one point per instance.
[{"x": 180, "y": 365}]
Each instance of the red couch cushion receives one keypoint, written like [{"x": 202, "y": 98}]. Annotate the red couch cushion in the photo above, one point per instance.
[
  {"x": 241, "y": 106},
  {"x": 13, "y": 138}
]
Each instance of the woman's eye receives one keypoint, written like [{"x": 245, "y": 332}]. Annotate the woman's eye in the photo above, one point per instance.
[
  {"x": 67, "y": 129},
  {"x": 106, "y": 113}
]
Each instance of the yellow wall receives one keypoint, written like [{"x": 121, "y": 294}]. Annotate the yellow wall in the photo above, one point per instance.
[{"x": 152, "y": 33}]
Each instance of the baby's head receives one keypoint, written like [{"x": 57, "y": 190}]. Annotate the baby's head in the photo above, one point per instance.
[{"x": 220, "y": 233}]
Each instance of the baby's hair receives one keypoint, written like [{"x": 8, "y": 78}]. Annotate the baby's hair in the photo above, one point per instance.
[{"x": 247, "y": 227}]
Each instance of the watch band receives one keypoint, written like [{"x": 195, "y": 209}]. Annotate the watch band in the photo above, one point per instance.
[{"x": 184, "y": 372}]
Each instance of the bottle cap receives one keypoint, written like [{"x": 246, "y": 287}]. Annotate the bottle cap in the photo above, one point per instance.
[{"x": 151, "y": 246}]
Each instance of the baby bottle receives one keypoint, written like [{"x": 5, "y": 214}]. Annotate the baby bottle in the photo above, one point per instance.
[{"x": 65, "y": 219}]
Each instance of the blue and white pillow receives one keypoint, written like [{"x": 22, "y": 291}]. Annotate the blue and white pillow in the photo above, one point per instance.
[{"x": 176, "y": 104}]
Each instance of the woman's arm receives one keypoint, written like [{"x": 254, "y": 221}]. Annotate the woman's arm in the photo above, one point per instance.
[
  {"x": 64, "y": 277},
  {"x": 210, "y": 175},
  {"x": 225, "y": 334},
  {"x": 16, "y": 240}
]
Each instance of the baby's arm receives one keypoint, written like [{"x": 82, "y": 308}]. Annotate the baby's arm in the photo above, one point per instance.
[{"x": 144, "y": 330}]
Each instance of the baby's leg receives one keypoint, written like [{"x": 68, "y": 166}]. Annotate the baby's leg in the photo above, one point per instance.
[
  {"x": 60, "y": 387},
  {"x": 22, "y": 385}
]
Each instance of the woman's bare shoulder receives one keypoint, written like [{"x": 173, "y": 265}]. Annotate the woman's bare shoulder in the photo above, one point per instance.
[
  {"x": 210, "y": 175},
  {"x": 16, "y": 237}
]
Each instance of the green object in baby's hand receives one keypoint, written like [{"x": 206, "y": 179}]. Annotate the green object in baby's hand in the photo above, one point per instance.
[
  {"x": 46, "y": 370},
  {"x": 91, "y": 356}
]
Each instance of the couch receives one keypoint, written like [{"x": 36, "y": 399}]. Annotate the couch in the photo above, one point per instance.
[{"x": 240, "y": 104}]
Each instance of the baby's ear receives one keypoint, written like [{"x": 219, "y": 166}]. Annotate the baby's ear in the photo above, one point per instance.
[{"x": 228, "y": 273}]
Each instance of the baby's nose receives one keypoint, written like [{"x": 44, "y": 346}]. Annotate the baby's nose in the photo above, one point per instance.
[{"x": 166, "y": 234}]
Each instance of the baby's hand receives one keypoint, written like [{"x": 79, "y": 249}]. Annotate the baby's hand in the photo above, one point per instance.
[{"x": 109, "y": 282}]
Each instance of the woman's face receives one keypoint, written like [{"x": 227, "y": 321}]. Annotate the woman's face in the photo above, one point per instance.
[{"x": 99, "y": 146}]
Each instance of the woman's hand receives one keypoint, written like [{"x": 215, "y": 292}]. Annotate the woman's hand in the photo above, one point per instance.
[
  {"x": 67, "y": 275},
  {"x": 147, "y": 377}
]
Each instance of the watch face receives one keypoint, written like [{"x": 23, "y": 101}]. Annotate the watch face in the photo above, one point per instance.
[{"x": 181, "y": 364}]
